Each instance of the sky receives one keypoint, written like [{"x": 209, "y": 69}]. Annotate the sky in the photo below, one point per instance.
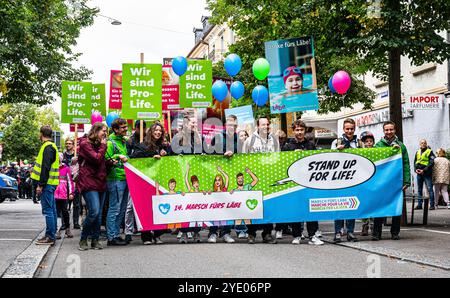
[{"x": 105, "y": 47}]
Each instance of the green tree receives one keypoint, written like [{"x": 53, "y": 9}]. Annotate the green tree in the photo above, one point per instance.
[
  {"x": 21, "y": 123},
  {"x": 258, "y": 21},
  {"x": 21, "y": 136},
  {"x": 368, "y": 35},
  {"x": 36, "y": 39}
]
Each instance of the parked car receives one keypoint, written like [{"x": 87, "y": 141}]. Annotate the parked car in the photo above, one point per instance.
[{"x": 8, "y": 188}]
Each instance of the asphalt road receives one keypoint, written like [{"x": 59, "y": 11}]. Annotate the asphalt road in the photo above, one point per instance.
[
  {"x": 422, "y": 252},
  {"x": 21, "y": 222},
  {"x": 238, "y": 260}
]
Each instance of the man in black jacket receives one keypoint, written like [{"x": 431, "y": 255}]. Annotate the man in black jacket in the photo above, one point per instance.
[{"x": 300, "y": 143}]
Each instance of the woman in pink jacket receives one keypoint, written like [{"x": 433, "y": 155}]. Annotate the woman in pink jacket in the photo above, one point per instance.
[{"x": 63, "y": 193}]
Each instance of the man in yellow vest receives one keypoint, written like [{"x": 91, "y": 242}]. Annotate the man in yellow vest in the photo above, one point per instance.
[
  {"x": 46, "y": 174},
  {"x": 423, "y": 164}
]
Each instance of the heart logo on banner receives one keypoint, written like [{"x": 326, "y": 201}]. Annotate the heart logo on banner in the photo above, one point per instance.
[
  {"x": 164, "y": 208},
  {"x": 252, "y": 204}
]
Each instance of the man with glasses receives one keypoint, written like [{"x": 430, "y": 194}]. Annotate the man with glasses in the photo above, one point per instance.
[{"x": 116, "y": 156}]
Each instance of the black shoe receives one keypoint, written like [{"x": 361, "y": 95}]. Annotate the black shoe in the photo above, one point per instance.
[
  {"x": 76, "y": 227},
  {"x": 432, "y": 208},
  {"x": 395, "y": 237},
  {"x": 128, "y": 239},
  {"x": 269, "y": 239},
  {"x": 117, "y": 242},
  {"x": 337, "y": 238},
  {"x": 418, "y": 208},
  {"x": 351, "y": 237},
  {"x": 63, "y": 227}
]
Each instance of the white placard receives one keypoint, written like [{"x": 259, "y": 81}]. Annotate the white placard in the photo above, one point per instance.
[
  {"x": 425, "y": 102},
  {"x": 216, "y": 206}
]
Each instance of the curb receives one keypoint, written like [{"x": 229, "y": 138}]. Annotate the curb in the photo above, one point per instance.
[
  {"x": 27, "y": 263},
  {"x": 391, "y": 254}
]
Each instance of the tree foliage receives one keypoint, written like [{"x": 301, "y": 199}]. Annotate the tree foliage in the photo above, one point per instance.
[
  {"x": 354, "y": 35},
  {"x": 20, "y": 124},
  {"x": 258, "y": 21},
  {"x": 36, "y": 39}
]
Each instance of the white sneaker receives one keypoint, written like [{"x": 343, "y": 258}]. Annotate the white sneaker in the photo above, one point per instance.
[
  {"x": 279, "y": 235},
  {"x": 190, "y": 235},
  {"x": 243, "y": 235},
  {"x": 315, "y": 241},
  {"x": 212, "y": 238},
  {"x": 147, "y": 242},
  {"x": 296, "y": 240},
  {"x": 179, "y": 235},
  {"x": 158, "y": 240},
  {"x": 228, "y": 239},
  {"x": 318, "y": 234},
  {"x": 182, "y": 238}
]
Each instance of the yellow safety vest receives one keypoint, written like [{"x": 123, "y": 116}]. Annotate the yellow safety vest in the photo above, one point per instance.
[
  {"x": 53, "y": 178},
  {"x": 423, "y": 158}
]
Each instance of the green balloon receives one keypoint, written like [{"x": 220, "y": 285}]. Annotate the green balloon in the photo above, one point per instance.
[
  {"x": 25, "y": 161},
  {"x": 261, "y": 68}
]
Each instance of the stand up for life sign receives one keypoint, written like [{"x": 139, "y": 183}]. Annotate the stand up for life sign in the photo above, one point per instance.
[
  {"x": 142, "y": 91},
  {"x": 196, "y": 84},
  {"x": 76, "y": 103}
]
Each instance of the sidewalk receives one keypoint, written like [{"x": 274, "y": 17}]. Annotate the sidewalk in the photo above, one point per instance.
[{"x": 427, "y": 245}]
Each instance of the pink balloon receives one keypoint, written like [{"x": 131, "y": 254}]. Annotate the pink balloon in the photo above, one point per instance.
[
  {"x": 341, "y": 81},
  {"x": 96, "y": 117}
]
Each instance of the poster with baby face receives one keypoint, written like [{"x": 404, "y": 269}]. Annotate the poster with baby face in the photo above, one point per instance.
[{"x": 292, "y": 77}]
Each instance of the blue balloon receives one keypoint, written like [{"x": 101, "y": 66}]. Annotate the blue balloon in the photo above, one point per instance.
[
  {"x": 330, "y": 85},
  {"x": 219, "y": 90},
  {"x": 260, "y": 95},
  {"x": 111, "y": 117},
  {"x": 179, "y": 65},
  {"x": 233, "y": 64},
  {"x": 237, "y": 90}
]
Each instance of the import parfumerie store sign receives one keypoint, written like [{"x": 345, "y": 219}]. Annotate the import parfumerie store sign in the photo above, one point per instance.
[
  {"x": 142, "y": 91},
  {"x": 195, "y": 85},
  {"x": 76, "y": 104}
]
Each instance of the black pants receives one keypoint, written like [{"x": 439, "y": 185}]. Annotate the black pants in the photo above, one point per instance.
[
  {"x": 148, "y": 236},
  {"x": 224, "y": 230},
  {"x": 311, "y": 227},
  {"x": 378, "y": 225},
  {"x": 76, "y": 208},
  {"x": 61, "y": 207},
  {"x": 267, "y": 229},
  {"x": 34, "y": 185}
]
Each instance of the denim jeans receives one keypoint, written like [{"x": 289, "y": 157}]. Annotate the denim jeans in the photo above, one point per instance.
[
  {"x": 48, "y": 205},
  {"x": 240, "y": 229},
  {"x": 94, "y": 203},
  {"x": 427, "y": 179},
  {"x": 339, "y": 224},
  {"x": 118, "y": 200}
]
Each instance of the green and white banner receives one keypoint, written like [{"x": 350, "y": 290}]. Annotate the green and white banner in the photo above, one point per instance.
[
  {"x": 99, "y": 99},
  {"x": 142, "y": 91},
  {"x": 294, "y": 187},
  {"x": 76, "y": 106},
  {"x": 196, "y": 84}
]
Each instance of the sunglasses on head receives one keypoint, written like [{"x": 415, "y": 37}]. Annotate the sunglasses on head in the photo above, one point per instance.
[{"x": 296, "y": 70}]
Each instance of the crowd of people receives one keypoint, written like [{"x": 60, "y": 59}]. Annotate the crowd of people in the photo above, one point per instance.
[{"x": 95, "y": 175}]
